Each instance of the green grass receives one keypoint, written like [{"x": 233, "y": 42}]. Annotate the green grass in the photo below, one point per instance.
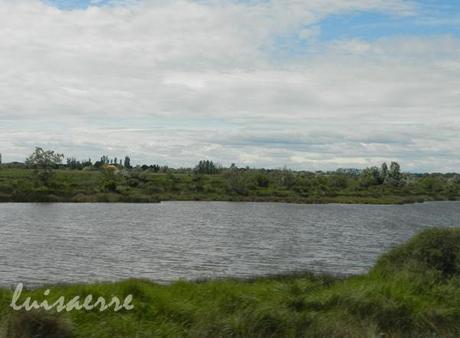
[
  {"x": 136, "y": 185},
  {"x": 413, "y": 291}
]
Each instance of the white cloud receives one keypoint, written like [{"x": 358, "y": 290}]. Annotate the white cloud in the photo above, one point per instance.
[{"x": 184, "y": 80}]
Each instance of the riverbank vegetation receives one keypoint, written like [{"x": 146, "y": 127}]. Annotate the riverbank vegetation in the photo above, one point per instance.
[
  {"x": 412, "y": 291},
  {"x": 44, "y": 178}
]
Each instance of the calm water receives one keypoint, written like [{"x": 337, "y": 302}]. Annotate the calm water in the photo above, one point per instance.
[{"x": 52, "y": 243}]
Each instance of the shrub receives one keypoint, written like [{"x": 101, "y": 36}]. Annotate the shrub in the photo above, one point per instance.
[
  {"x": 262, "y": 181},
  {"x": 38, "y": 324},
  {"x": 435, "y": 250}
]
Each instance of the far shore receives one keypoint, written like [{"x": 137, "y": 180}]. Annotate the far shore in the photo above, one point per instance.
[{"x": 22, "y": 185}]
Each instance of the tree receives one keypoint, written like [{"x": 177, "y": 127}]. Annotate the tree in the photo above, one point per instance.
[
  {"x": 394, "y": 174},
  {"x": 206, "y": 167},
  {"x": 109, "y": 178},
  {"x": 72, "y": 163},
  {"x": 44, "y": 162},
  {"x": 384, "y": 171},
  {"x": 105, "y": 159},
  {"x": 370, "y": 176},
  {"x": 127, "y": 163},
  {"x": 87, "y": 163}
]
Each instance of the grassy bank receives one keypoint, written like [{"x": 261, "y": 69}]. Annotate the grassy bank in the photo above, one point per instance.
[
  {"x": 413, "y": 291},
  {"x": 145, "y": 186}
]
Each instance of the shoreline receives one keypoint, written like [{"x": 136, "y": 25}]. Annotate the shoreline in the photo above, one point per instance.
[{"x": 347, "y": 200}]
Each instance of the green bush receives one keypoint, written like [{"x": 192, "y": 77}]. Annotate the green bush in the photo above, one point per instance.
[{"x": 436, "y": 250}]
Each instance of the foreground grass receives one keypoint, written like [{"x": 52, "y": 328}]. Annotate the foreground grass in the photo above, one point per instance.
[
  {"x": 137, "y": 186},
  {"x": 413, "y": 291}
]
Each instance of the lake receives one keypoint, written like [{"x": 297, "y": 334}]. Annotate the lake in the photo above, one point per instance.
[{"x": 69, "y": 243}]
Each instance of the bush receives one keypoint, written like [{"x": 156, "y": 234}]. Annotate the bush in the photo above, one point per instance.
[
  {"x": 36, "y": 324},
  {"x": 262, "y": 181},
  {"x": 435, "y": 250}
]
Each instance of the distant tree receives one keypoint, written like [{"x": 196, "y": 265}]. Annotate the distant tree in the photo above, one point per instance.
[
  {"x": 384, "y": 171},
  {"x": 72, "y": 163},
  {"x": 370, "y": 176},
  {"x": 127, "y": 163},
  {"x": 105, "y": 159},
  {"x": 44, "y": 162},
  {"x": 109, "y": 178},
  {"x": 206, "y": 167},
  {"x": 394, "y": 174},
  {"x": 395, "y": 170},
  {"x": 375, "y": 176},
  {"x": 87, "y": 163}
]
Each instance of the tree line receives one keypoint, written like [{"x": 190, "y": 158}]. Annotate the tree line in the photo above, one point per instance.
[{"x": 208, "y": 179}]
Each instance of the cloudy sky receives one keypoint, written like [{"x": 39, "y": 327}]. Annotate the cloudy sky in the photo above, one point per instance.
[{"x": 307, "y": 84}]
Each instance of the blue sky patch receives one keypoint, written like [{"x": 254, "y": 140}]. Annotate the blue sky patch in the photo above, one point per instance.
[
  {"x": 371, "y": 26},
  {"x": 433, "y": 18},
  {"x": 77, "y": 4}
]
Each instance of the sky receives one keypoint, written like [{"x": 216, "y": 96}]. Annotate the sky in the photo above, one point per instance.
[{"x": 306, "y": 84}]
